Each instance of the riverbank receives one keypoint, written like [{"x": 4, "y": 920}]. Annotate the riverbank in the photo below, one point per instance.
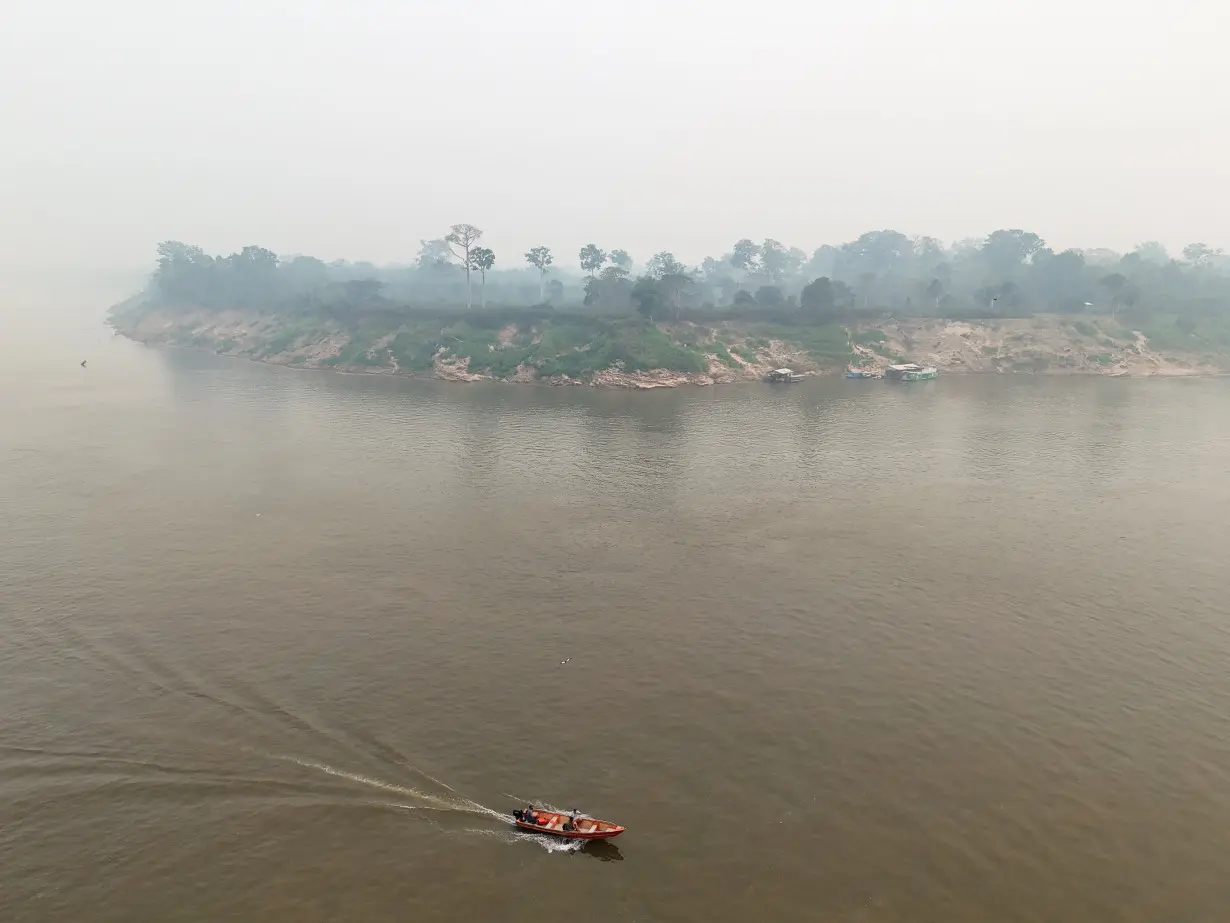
[{"x": 578, "y": 349}]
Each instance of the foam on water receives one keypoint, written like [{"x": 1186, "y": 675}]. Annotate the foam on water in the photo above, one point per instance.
[
  {"x": 426, "y": 801},
  {"x": 420, "y": 800},
  {"x": 550, "y": 844}
]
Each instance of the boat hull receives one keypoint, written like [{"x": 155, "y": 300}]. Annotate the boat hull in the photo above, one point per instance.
[
  {"x": 909, "y": 373},
  {"x": 588, "y": 828}
]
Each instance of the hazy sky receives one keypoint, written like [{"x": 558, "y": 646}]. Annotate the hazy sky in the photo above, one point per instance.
[{"x": 353, "y": 129}]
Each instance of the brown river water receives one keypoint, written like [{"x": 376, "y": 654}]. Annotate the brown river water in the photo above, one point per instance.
[{"x": 285, "y": 647}]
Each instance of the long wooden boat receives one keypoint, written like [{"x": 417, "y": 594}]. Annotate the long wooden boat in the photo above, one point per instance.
[
  {"x": 785, "y": 376},
  {"x": 568, "y": 826},
  {"x": 910, "y": 372}
]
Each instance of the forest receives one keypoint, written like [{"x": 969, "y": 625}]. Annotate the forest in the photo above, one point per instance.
[{"x": 1008, "y": 273}]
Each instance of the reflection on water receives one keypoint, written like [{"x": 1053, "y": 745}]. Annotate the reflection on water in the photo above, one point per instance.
[{"x": 284, "y": 646}]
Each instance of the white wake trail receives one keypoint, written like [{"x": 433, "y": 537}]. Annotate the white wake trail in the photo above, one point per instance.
[{"x": 426, "y": 800}]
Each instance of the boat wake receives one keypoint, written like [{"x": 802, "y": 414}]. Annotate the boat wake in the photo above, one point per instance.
[
  {"x": 414, "y": 799},
  {"x": 417, "y": 800},
  {"x": 227, "y": 714},
  {"x": 550, "y": 844}
]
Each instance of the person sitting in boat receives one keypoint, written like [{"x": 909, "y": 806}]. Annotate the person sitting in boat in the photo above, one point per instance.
[{"x": 570, "y": 824}]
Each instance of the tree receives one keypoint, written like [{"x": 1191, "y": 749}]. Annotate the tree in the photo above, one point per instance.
[
  {"x": 770, "y": 296},
  {"x": 743, "y": 299},
  {"x": 646, "y": 296},
  {"x": 1060, "y": 279},
  {"x": 655, "y": 294},
  {"x": 611, "y": 289},
  {"x": 434, "y": 254},
  {"x": 621, "y": 259},
  {"x": 555, "y": 291},
  {"x": 886, "y": 252},
  {"x": 540, "y": 258},
  {"x": 1199, "y": 254},
  {"x": 481, "y": 260},
  {"x": 1153, "y": 252},
  {"x": 185, "y": 274},
  {"x": 664, "y": 264},
  {"x": 928, "y": 251},
  {"x": 818, "y": 296},
  {"x": 1114, "y": 284},
  {"x": 745, "y": 256},
  {"x": 935, "y": 291},
  {"x": 359, "y": 292},
  {"x": 823, "y": 261},
  {"x": 1006, "y": 249},
  {"x": 305, "y": 273},
  {"x": 866, "y": 282},
  {"x": 463, "y": 238},
  {"x": 674, "y": 287},
  {"x": 843, "y": 296},
  {"x": 252, "y": 274},
  {"x": 777, "y": 262},
  {"x": 592, "y": 259}
]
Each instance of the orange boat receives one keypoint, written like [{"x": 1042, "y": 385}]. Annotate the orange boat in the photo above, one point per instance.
[{"x": 570, "y": 826}]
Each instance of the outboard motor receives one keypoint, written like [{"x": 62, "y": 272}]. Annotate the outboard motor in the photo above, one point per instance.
[{"x": 518, "y": 814}]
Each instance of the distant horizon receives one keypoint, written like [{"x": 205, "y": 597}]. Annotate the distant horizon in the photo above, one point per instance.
[{"x": 353, "y": 130}]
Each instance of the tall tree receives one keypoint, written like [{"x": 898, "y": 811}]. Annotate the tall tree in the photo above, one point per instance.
[
  {"x": 610, "y": 289},
  {"x": 770, "y": 296},
  {"x": 823, "y": 261},
  {"x": 592, "y": 259},
  {"x": 646, "y": 296},
  {"x": 621, "y": 259},
  {"x": 434, "y": 253},
  {"x": 776, "y": 261},
  {"x": 818, "y": 297},
  {"x": 866, "y": 282},
  {"x": 1114, "y": 284},
  {"x": 882, "y": 252},
  {"x": 745, "y": 256},
  {"x": 935, "y": 291},
  {"x": 482, "y": 259},
  {"x": 664, "y": 264},
  {"x": 1153, "y": 252},
  {"x": 654, "y": 294},
  {"x": 1004, "y": 250},
  {"x": 540, "y": 258},
  {"x": 675, "y": 287},
  {"x": 1199, "y": 254},
  {"x": 463, "y": 238}
]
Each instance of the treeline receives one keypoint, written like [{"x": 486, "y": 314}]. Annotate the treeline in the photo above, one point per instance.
[{"x": 1008, "y": 273}]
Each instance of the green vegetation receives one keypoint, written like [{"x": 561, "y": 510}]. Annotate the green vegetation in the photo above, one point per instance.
[
  {"x": 827, "y": 344},
  {"x": 724, "y": 356},
  {"x": 870, "y": 338},
  {"x": 1085, "y": 329},
  {"x": 673, "y": 316},
  {"x": 1031, "y": 363},
  {"x": 746, "y": 353}
]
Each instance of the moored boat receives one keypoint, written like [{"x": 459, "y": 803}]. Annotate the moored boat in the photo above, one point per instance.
[
  {"x": 910, "y": 372},
  {"x": 571, "y": 825},
  {"x": 860, "y": 373},
  {"x": 786, "y": 376}
]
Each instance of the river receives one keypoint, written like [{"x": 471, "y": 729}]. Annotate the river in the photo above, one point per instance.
[{"x": 284, "y": 646}]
